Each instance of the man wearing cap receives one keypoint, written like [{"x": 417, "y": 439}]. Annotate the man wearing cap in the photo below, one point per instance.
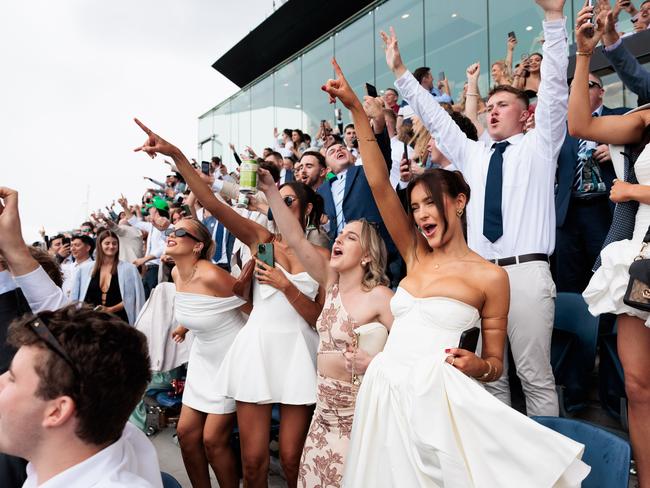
[{"x": 156, "y": 240}]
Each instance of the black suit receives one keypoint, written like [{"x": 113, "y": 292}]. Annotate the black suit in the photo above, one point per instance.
[
  {"x": 12, "y": 306},
  {"x": 582, "y": 224}
]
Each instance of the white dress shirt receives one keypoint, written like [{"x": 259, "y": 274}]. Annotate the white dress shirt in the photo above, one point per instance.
[
  {"x": 156, "y": 240},
  {"x": 131, "y": 462},
  {"x": 69, "y": 270},
  {"x": 529, "y": 163},
  {"x": 40, "y": 291}
]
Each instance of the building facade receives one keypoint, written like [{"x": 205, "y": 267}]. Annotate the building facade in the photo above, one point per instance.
[{"x": 446, "y": 36}]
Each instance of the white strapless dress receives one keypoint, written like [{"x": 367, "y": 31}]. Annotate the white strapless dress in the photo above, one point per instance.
[
  {"x": 214, "y": 322},
  {"x": 273, "y": 358},
  {"x": 605, "y": 291},
  {"x": 420, "y": 422}
]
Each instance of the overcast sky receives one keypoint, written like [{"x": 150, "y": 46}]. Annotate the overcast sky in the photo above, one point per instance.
[{"x": 75, "y": 73}]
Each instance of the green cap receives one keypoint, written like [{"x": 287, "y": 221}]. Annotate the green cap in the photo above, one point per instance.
[{"x": 159, "y": 203}]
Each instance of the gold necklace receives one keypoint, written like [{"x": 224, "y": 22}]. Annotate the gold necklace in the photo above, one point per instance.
[
  {"x": 185, "y": 282},
  {"x": 437, "y": 265}
]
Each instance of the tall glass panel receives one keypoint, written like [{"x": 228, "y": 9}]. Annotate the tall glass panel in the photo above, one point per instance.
[
  {"x": 525, "y": 20},
  {"x": 406, "y": 16},
  {"x": 456, "y": 36},
  {"x": 261, "y": 115},
  {"x": 222, "y": 133},
  {"x": 288, "y": 97},
  {"x": 241, "y": 119},
  {"x": 354, "y": 49},
  {"x": 205, "y": 125},
  {"x": 316, "y": 70}
]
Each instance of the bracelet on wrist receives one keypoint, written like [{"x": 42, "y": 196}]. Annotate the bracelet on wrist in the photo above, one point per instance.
[
  {"x": 294, "y": 298},
  {"x": 584, "y": 53},
  {"x": 486, "y": 376},
  {"x": 472, "y": 94}
]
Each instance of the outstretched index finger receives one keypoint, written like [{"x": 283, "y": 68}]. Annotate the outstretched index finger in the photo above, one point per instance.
[
  {"x": 337, "y": 69},
  {"x": 142, "y": 126}
]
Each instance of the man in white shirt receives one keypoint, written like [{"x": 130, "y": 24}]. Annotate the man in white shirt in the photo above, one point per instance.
[
  {"x": 156, "y": 239},
  {"x": 65, "y": 401},
  {"x": 81, "y": 248},
  {"x": 511, "y": 216}
]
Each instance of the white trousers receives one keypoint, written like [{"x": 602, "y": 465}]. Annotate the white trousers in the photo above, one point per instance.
[{"x": 530, "y": 325}]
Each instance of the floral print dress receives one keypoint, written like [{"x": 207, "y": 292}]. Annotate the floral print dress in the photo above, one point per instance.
[{"x": 323, "y": 457}]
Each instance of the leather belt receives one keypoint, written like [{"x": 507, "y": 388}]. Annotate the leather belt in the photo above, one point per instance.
[{"x": 524, "y": 258}]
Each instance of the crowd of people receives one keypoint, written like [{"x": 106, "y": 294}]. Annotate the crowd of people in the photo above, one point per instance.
[{"x": 370, "y": 286}]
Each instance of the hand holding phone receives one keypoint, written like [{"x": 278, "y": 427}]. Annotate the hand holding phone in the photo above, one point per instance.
[
  {"x": 265, "y": 253},
  {"x": 205, "y": 167},
  {"x": 371, "y": 91}
]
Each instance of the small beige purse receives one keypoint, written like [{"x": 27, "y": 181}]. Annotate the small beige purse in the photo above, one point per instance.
[{"x": 372, "y": 339}]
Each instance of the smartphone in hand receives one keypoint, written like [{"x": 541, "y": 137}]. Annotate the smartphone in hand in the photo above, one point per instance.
[
  {"x": 205, "y": 167},
  {"x": 371, "y": 91},
  {"x": 511, "y": 35},
  {"x": 265, "y": 253},
  {"x": 469, "y": 339}
]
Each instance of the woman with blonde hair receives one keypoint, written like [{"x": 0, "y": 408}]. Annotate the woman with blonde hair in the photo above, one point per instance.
[{"x": 356, "y": 305}]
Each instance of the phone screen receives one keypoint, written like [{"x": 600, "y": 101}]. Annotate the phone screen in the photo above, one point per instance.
[
  {"x": 371, "y": 91},
  {"x": 441, "y": 75},
  {"x": 205, "y": 167}
]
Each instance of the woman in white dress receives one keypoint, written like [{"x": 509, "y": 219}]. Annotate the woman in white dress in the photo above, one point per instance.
[
  {"x": 273, "y": 358},
  {"x": 422, "y": 418},
  {"x": 605, "y": 291},
  {"x": 357, "y": 300},
  {"x": 204, "y": 305}
]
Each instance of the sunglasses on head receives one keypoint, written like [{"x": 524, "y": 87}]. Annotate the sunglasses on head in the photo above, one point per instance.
[
  {"x": 39, "y": 327},
  {"x": 180, "y": 233},
  {"x": 288, "y": 201}
]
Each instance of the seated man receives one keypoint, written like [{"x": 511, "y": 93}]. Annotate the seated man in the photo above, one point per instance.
[{"x": 64, "y": 403}]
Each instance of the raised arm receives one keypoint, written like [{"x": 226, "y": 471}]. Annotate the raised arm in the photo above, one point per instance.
[
  {"x": 314, "y": 261},
  {"x": 247, "y": 231},
  {"x": 389, "y": 205},
  {"x": 450, "y": 139},
  {"x": 553, "y": 94},
  {"x": 472, "y": 96},
  {"x": 611, "y": 129}
]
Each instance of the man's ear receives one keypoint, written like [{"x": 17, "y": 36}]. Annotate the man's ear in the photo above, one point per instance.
[{"x": 59, "y": 411}]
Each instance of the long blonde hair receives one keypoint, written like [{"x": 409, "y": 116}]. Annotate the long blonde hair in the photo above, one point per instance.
[{"x": 373, "y": 246}]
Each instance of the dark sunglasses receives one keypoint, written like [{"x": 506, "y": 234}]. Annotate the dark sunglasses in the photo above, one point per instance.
[
  {"x": 38, "y": 327},
  {"x": 180, "y": 233},
  {"x": 288, "y": 201},
  {"x": 593, "y": 84}
]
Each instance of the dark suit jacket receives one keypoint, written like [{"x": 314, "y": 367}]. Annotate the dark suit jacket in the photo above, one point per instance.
[
  {"x": 289, "y": 177},
  {"x": 358, "y": 202},
  {"x": 634, "y": 76},
  {"x": 566, "y": 167}
]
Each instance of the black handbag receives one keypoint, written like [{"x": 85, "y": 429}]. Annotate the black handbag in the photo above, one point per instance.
[{"x": 637, "y": 294}]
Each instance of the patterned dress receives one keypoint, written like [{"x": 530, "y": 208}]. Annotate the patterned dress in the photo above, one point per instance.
[{"x": 326, "y": 447}]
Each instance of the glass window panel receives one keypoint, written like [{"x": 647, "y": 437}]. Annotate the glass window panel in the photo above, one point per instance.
[
  {"x": 525, "y": 20},
  {"x": 316, "y": 70},
  {"x": 288, "y": 98},
  {"x": 205, "y": 126},
  {"x": 261, "y": 115},
  {"x": 406, "y": 18},
  {"x": 241, "y": 119},
  {"x": 354, "y": 49},
  {"x": 222, "y": 133},
  {"x": 456, "y": 36}
]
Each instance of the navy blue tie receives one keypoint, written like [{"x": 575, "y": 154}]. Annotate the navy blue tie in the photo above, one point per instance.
[
  {"x": 219, "y": 242},
  {"x": 492, "y": 218}
]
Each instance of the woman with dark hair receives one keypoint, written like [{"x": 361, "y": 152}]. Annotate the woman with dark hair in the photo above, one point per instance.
[
  {"x": 357, "y": 301},
  {"x": 607, "y": 288},
  {"x": 299, "y": 144},
  {"x": 113, "y": 286},
  {"x": 527, "y": 75},
  {"x": 273, "y": 358},
  {"x": 204, "y": 305},
  {"x": 422, "y": 418}
]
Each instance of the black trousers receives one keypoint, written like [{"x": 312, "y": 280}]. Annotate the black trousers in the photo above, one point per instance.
[{"x": 579, "y": 241}]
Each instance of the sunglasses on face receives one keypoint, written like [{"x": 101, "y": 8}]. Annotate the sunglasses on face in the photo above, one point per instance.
[
  {"x": 593, "y": 84},
  {"x": 38, "y": 327},
  {"x": 288, "y": 201},
  {"x": 180, "y": 233}
]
